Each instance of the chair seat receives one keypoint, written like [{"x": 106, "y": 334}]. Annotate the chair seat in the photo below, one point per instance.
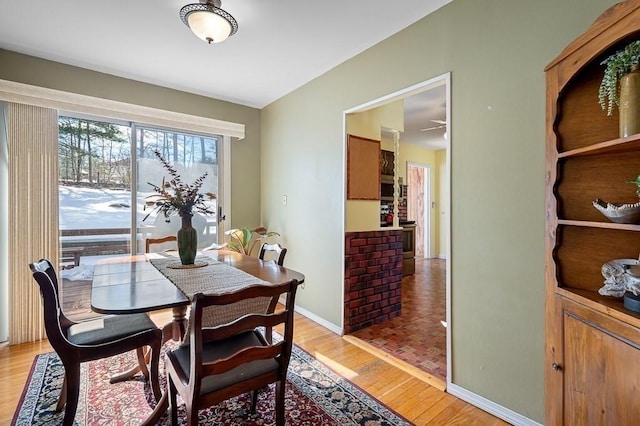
[
  {"x": 108, "y": 329},
  {"x": 223, "y": 349}
]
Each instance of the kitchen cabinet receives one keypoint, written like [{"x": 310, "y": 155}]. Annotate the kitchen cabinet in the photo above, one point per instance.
[
  {"x": 591, "y": 341},
  {"x": 387, "y": 162}
]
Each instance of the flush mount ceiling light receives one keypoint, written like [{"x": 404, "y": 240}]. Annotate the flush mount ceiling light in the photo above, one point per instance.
[{"x": 208, "y": 21}]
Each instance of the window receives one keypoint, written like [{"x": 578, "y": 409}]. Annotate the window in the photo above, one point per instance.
[{"x": 105, "y": 171}]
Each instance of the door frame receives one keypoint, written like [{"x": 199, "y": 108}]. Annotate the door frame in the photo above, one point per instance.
[{"x": 446, "y": 205}]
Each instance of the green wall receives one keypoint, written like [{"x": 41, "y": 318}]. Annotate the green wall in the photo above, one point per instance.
[
  {"x": 496, "y": 51},
  {"x": 245, "y": 154}
]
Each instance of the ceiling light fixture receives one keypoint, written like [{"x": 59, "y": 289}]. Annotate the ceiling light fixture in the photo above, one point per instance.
[{"x": 208, "y": 22}]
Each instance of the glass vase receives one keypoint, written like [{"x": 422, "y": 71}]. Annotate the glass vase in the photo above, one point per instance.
[{"x": 187, "y": 241}]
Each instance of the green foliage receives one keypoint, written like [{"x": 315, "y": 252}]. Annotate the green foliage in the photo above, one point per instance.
[
  {"x": 245, "y": 240},
  {"x": 617, "y": 65},
  {"x": 637, "y": 183},
  {"x": 87, "y": 149}
]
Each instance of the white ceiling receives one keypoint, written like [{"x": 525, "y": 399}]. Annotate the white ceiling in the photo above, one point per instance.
[
  {"x": 280, "y": 44},
  {"x": 424, "y": 114}
]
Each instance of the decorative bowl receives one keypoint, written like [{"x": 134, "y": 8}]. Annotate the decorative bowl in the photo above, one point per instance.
[{"x": 619, "y": 213}]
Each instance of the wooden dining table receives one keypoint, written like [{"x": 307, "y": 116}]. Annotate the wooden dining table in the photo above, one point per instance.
[{"x": 132, "y": 284}]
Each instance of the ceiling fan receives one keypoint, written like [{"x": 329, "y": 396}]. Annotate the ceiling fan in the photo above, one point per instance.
[{"x": 439, "y": 125}]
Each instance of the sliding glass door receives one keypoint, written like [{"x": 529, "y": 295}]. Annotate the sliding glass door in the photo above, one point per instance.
[
  {"x": 105, "y": 172},
  {"x": 192, "y": 156},
  {"x": 94, "y": 189}
]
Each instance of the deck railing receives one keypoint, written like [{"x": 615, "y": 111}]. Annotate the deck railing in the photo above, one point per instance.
[{"x": 93, "y": 242}]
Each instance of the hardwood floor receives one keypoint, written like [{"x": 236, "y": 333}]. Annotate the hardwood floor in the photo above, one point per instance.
[{"x": 411, "y": 397}]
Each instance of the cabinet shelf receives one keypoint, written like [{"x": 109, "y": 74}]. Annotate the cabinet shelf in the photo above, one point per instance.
[
  {"x": 603, "y": 225},
  {"x": 630, "y": 143},
  {"x": 608, "y": 305}
]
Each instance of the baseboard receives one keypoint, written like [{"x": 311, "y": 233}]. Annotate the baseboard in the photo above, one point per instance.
[
  {"x": 313, "y": 317},
  {"x": 490, "y": 407},
  {"x": 484, "y": 404}
]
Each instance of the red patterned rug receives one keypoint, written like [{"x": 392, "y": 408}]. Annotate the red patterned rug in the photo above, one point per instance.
[{"x": 315, "y": 396}]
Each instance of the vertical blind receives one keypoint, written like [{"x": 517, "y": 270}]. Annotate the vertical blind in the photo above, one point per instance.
[{"x": 33, "y": 212}]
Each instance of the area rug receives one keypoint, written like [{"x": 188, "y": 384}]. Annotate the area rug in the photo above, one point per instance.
[{"x": 315, "y": 395}]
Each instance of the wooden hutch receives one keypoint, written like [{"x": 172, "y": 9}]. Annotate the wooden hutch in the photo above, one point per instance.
[{"x": 592, "y": 341}]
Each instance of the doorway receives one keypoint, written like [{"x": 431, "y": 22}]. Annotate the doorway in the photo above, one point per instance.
[{"x": 433, "y": 265}]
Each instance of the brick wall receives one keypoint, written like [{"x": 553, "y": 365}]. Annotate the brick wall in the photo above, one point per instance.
[{"x": 373, "y": 278}]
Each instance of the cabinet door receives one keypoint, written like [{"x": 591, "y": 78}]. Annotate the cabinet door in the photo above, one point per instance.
[
  {"x": 601, "y": 369},
  {"x": 386, "y": 160}
]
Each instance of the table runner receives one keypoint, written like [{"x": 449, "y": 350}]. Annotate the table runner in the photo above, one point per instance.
[{"x": 216, "y": 277}]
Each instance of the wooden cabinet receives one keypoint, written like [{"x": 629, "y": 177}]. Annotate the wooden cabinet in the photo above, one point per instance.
[
  {"x": 601, "y": 379},
  {"x": 592, "y": 342},
  {"x": 386, "y": 162}
]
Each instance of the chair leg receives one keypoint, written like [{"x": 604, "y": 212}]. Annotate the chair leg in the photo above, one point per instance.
[
  {"x": 62, "y": 399},
  {"x": 72, "y": 376},
  {"x": 155, "y": 371},
  {"x": 280, "y": 394},
  {"x": 142, "y": 362},
  {"x": 254, "y": 400},
  {"x": 192, "y": 414},
  {"x": 173, "y": 409},
  {"x": 254, "y": 397}
]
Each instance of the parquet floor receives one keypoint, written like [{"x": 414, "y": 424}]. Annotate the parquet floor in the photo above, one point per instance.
[{"x": 417, "y": 337}]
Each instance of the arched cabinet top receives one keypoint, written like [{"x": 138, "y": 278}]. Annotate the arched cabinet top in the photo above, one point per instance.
[{"x": 617, "y": 23}]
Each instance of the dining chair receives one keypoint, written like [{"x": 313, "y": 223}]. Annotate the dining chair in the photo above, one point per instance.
[
  {"x": 78, "y": 342},
  {"x": 226, "y": 360},
  {"x": 161, "y": 240},
  {"x": 276, "y": 250}
]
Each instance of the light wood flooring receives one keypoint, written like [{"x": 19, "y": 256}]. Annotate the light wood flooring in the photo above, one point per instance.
[{"x": 419, "y": 402}]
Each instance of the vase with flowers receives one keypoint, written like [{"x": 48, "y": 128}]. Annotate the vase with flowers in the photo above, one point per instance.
[{"x": 175, "y": 196}]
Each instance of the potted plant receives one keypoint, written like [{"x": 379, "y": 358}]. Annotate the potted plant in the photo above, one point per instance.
[
  {"x": 175, "y": 196},
  {"x": 620, "y": 85},
  {"x": 245, "y": 240}
]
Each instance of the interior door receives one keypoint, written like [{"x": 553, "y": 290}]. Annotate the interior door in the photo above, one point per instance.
[{"x": 418, "y": 202}]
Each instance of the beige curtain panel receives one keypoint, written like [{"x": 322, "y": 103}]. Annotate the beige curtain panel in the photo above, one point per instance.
[{"x": 33, "y": 212}]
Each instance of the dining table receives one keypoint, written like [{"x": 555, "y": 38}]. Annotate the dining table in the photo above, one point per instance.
[{"x": 155, "y": 281}]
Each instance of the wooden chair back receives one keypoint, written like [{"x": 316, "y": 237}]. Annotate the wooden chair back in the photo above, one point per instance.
[
  {"x": 276, "y": 250},
  {"x": 55, "y": 322},
  {"x": 161, "y": 240},
  {"x": 127, "y": 333},
  {"x": 205, "y": 343}
]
